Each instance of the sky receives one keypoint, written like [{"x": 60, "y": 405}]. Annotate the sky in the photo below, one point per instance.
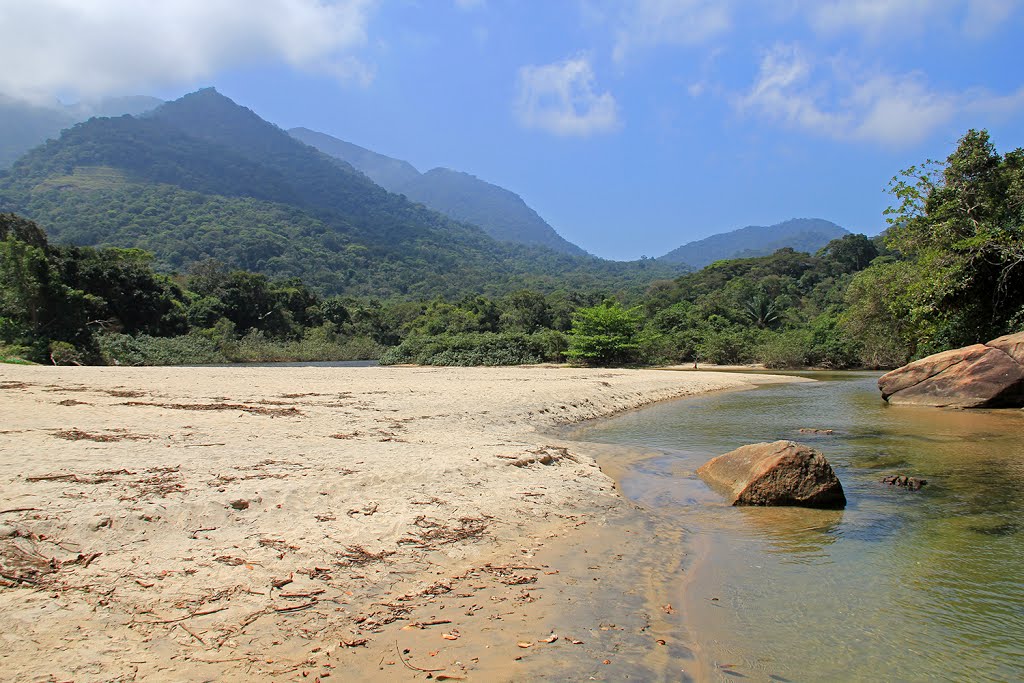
[{"x": 631, "y": 126}]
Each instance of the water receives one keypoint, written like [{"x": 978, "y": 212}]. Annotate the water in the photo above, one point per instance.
[{"x": 900, "y": 585}]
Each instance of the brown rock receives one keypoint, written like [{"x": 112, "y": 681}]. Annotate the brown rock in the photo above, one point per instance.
[
  {"x": 778, "y": 473},
  {"x": 914, "y": 373},
  {"x": 972, "y": 377},
  {"x": 1012, "y": 345}
]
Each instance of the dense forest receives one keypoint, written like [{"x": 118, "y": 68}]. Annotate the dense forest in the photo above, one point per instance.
[
  {"x": 948, "y": 271},
  {"x": 204, "y": 178},
  {"x": 500, "y": 213}
]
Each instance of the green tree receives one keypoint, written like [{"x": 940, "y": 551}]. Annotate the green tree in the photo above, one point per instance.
[
  {"x": 849, "y": 253},
  {"x": 881, "y": 316},
  {"x": 607, "y": 334},
  {"x": 36, "y": 307},
  {"x": 525, "y": 311},
  {"x": 960, "y": 225}
]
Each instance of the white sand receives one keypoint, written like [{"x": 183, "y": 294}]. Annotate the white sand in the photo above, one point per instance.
[{"x": 368, "y": 496}]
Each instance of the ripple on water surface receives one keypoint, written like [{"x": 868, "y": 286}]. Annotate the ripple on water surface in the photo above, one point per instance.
[{"x": 901, "y": 585}]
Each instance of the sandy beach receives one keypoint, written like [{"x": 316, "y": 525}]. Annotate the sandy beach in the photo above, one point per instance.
[{"x": 316, "y": 523}]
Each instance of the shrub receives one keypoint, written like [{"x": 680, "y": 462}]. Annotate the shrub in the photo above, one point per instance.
[
  {"x": 63, "y": 353},
  {"x": 789, "y": 349},
  {"x": 189, "y": 349},
  {"x": 479, "y": 348}
]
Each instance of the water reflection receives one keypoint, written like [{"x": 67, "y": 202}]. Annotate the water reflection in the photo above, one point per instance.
[
  {"x": 908, "y": 585},
  {"x": 799, "y": 534}
]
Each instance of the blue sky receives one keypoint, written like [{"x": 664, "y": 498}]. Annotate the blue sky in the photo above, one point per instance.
[{"x": 631, "y": 126}]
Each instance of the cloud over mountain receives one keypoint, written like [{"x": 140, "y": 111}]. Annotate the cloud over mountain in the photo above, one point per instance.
[{"x": 112, "y": 46}]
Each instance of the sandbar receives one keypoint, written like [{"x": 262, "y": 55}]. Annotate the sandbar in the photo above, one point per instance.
[{"x": 312, "y": 523}]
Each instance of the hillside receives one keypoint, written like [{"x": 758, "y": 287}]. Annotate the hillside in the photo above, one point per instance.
[
  {"x": 802, "y": 234},
  {"x": 391, "y": 174},
  {"x": 502, "y": 214},
  {"x": 24, "y": 125},
  {"x": 203, "y": 177}
]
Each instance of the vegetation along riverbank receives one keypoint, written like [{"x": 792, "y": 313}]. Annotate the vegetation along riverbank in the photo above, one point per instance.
[{"x": 946, "y": 273}]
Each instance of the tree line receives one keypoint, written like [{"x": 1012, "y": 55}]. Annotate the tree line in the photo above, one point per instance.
[{"x": 949, "y": 271}]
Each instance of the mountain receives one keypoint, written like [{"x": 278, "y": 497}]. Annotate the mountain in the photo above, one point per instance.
[
  {"x": 801, "y": 234},
  {"x": 501, "y": 213},
  {"x": 24, "y": 125},
  {"x": 391, "y": 174},
  {"x": 202, "y": 177}
]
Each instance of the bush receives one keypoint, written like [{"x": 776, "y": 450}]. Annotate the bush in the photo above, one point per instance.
[
  {"x": 63, "y": 353},
  {"x": 15, "y": 354},
  {"x": 318, "y": 344},
  {"x": 480, "y": 348},
  {"x": 789, "y": 349},
  {"x": 189, "y": 349},
  {"x": 669, "y": 348},
  {"x": 728, "y": 347}
]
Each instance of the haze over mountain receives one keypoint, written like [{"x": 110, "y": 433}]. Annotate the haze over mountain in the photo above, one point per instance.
[
  {"x": 801, "y": 234},
  {"x": 501, "y": 213},
  {"x": 203, "y": 177},
  {"x": 391, "y": 174},
  {"x": 24, "y": 125}
]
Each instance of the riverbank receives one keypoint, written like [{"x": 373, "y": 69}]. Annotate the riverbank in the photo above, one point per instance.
[{"x": 294, "y": 523}]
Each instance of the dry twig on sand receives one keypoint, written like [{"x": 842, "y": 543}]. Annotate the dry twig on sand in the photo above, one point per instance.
[
  {"x": 409, "y": 666},
  {"x": 357, "y": 556},
  {"x": 254, "y": 410}
]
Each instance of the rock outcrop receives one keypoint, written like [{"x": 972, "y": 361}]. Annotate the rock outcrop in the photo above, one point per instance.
[
  {"x": 778, "y": 473},
  {"x": 980, "y": 376}
]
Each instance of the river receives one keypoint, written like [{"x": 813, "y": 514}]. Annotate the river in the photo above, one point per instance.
[{"x": 901, "y": 585}]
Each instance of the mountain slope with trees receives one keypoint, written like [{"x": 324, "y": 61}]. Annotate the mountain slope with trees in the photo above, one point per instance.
[
  {"x": 203, "y": 177},
  {"x": 391, "y": 174},
  {"x": 802, "y": 234},
  {"x": 502, "y": 214},
  {"x": 24, "y": 125}
]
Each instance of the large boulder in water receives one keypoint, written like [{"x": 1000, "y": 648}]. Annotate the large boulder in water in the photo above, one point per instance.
[
  {"x": 980, "y": 376},
  {"x": 778, "y": 473}
]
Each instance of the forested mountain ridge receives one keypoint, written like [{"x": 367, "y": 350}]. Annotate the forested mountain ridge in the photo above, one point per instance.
[
  {"x": 24, "y": 125},
  {"x": 391, "y": 174},
  {"x": 802, "y": 234},
  {"x": 203, "y": 177},
  {"x": 501, "y": 213}
]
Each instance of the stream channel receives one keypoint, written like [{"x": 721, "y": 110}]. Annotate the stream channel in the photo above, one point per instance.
[{"x": 901, "y": 585}]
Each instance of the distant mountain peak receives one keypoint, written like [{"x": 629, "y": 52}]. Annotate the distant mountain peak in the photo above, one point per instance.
[
  {"x": 501, "y": 213},
  {"x": 801, "y": 234}
]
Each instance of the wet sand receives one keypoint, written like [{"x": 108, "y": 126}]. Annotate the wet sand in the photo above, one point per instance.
[{"x": 325, "y": 523}]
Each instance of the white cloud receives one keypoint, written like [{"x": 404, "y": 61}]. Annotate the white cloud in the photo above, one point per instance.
[
  {"x": 980, "y": 101},
  {"x": 560, "y": 98},
  {"x": 96, "y": 47},
  {"x": 872, "y": 17},
  {"x": 877, "y": 18},
  {"x": 847, "y": 104},
  {"x": 470, "y": 4},
  {"x": 985, "y": 16},
  {"x": 649, "y": 23}
]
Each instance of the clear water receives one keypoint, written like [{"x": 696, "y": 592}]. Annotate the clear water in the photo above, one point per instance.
[{"x": 901, "y": 585}]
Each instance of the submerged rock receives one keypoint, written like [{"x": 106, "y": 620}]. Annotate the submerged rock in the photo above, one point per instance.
[
  {"x": 980, "y": 376},
  {"x": 903, "y": 481},
  {"x": 777, "y": 473}
]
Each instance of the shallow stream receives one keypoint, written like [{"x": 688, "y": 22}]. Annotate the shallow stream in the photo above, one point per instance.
[{"x": 901, "y": 585}]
